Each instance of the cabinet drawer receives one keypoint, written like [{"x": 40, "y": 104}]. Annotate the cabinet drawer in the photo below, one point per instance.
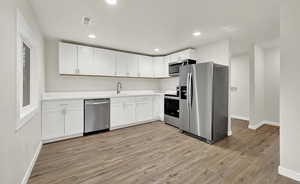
[
  {"x": 72, "y": 104},
  {"x": 144, "y": 99}
]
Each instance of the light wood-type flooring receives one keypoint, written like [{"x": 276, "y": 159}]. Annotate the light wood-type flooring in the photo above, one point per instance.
[{"x": 158, "y": 153}]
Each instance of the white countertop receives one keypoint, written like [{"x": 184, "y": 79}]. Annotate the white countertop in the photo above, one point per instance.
[{"x": 100, "y": 94}]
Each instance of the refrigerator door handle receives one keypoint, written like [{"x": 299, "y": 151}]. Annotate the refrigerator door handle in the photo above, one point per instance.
[{"x": 190, "y": 89}]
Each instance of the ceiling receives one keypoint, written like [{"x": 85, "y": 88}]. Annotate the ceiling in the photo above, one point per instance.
[{"x": 143, "y": 25}]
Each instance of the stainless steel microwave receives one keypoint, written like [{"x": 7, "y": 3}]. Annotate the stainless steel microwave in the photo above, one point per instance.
[{"x": 174, "y": 68}]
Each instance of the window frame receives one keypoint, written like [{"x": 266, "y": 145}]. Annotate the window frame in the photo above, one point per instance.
[{"x": 24, "y": 36}]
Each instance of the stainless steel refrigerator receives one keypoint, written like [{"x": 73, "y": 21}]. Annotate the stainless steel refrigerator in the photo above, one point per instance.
[{"x": 204, "y": 101}]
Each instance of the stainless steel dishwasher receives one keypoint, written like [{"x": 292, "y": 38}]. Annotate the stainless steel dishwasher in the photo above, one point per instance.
[{"x": 96, "y": 115}]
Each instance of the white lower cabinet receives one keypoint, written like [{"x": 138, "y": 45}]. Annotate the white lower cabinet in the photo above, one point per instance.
[
  {"x": 53, "y": 124},
  {"x": 116, "y": 114},
  {"x": 126, "y": 111},
  {"x": 62, "y": 119},
  {"x": 122, "y": 112},
  {"x": 143, "y": 108},
  {"x": 73, "y": 122},
  {"x": 158, "y": 107}
]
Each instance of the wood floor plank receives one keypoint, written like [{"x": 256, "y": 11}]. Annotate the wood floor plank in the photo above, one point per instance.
[{"x": 157, "y": 153}]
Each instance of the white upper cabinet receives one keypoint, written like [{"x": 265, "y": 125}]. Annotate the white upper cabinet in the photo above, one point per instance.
[
  {"x": 86, "y": 63},
  {"x": 179, "y": 56},
  {"x": 159, "y": 67},
  {"x": 146, "y": 66},
  {"x": 167, "y": 61},
  {"x": 132, "y": 65},
  {"x": 127, "y": 64},
  {"x": 67, "y": 58},
  {"x": 83, "y": 60},
  {"x": 121, "y": 64},
  {"x": 105, "y": 62}
]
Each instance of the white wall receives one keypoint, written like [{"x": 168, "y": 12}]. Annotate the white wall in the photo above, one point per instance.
[
  {"x": 240, "y": 80},
  {"x": 17, "y": 147},
  {"x": 218, "y": 52},
  {"x": 55, "y": 82},
  {"x": 256, "y": 87},
  {"x": 265, "y": 88},
  {"x": 290, "y": 89},
  {"x": 272, "y": 85}
]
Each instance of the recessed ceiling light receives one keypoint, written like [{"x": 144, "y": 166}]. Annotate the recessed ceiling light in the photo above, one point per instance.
[
  {"x": 156, "y": 50},
  {"x": 111, "y": 2},
  {"x": 197, "y": 33},
  {"x": 92, "y": 36}
]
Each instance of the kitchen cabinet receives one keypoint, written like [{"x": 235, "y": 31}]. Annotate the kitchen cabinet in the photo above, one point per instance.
[
  {"x": 144, "y": 109},
  {"x": 86, "y": 64},
  {"x": 67, "y": 58},
  {"x": 62, "y": 119},
  {"x": 84, "y": 60},
  {"x": 158, "y": 107},
  {"x": 159, "y": 67},
  {"x": 73, "y": 121},
  {"x": 179, "y": 56},
  {"x": 146, "y": 66},
  {"x": 127, "y": 64},
  {"x": 133, "y": 66},
  {"x": 105, "y": 62},
  {"x": 53, "y": 124},
  {"x": 128, "y": 111},
  {"x": 122, "y": 112},
  {"x": 116, "y": 114}
]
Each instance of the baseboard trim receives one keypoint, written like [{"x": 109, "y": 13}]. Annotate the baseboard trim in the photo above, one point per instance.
[
  {"x": 266, "y": 122},
  {"x": 133, "y": 124},
  {"x": 29, "y": 169},
  {"x": 240, "y": 118},
  {"x": 229, "y": 133},
  {"x": 289, "y": 173},
  {"x": 256, "y": 126},
  {"x": 46, "y": 141}
]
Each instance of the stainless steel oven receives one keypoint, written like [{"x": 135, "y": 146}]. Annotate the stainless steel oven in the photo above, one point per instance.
[{"x": 172, "y": 110}]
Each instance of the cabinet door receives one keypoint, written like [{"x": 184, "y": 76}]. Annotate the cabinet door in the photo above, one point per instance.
[
  {"x": 105, "y": 62},
  {"x": 74, "y": 122},
  {"x": 53, "y": 124},
  {"x": 116, "y": 114},
  {"x": 86, "y": 64},
  {"x": 143, "y": 111},
  {"x": 145, "y": 66},
  {"x": 159, "y": 67},
  {"x": 129, "y": 112},
  {"x": 187, "y": 54},
  {"x": 158, "y": 107},
  {"x": 122, "y": 64},
  {"x": 167, "y": 61},
  {"x": 132, "y": 65},
  {"x": 67, "y": 58},
  {"x": 175, "y": 57}
]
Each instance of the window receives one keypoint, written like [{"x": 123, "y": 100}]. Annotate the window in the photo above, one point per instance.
[{"x": 26, "y": 75}]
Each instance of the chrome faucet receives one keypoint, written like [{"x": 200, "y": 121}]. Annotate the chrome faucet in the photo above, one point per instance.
[{"x": 119, "y": 87}]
